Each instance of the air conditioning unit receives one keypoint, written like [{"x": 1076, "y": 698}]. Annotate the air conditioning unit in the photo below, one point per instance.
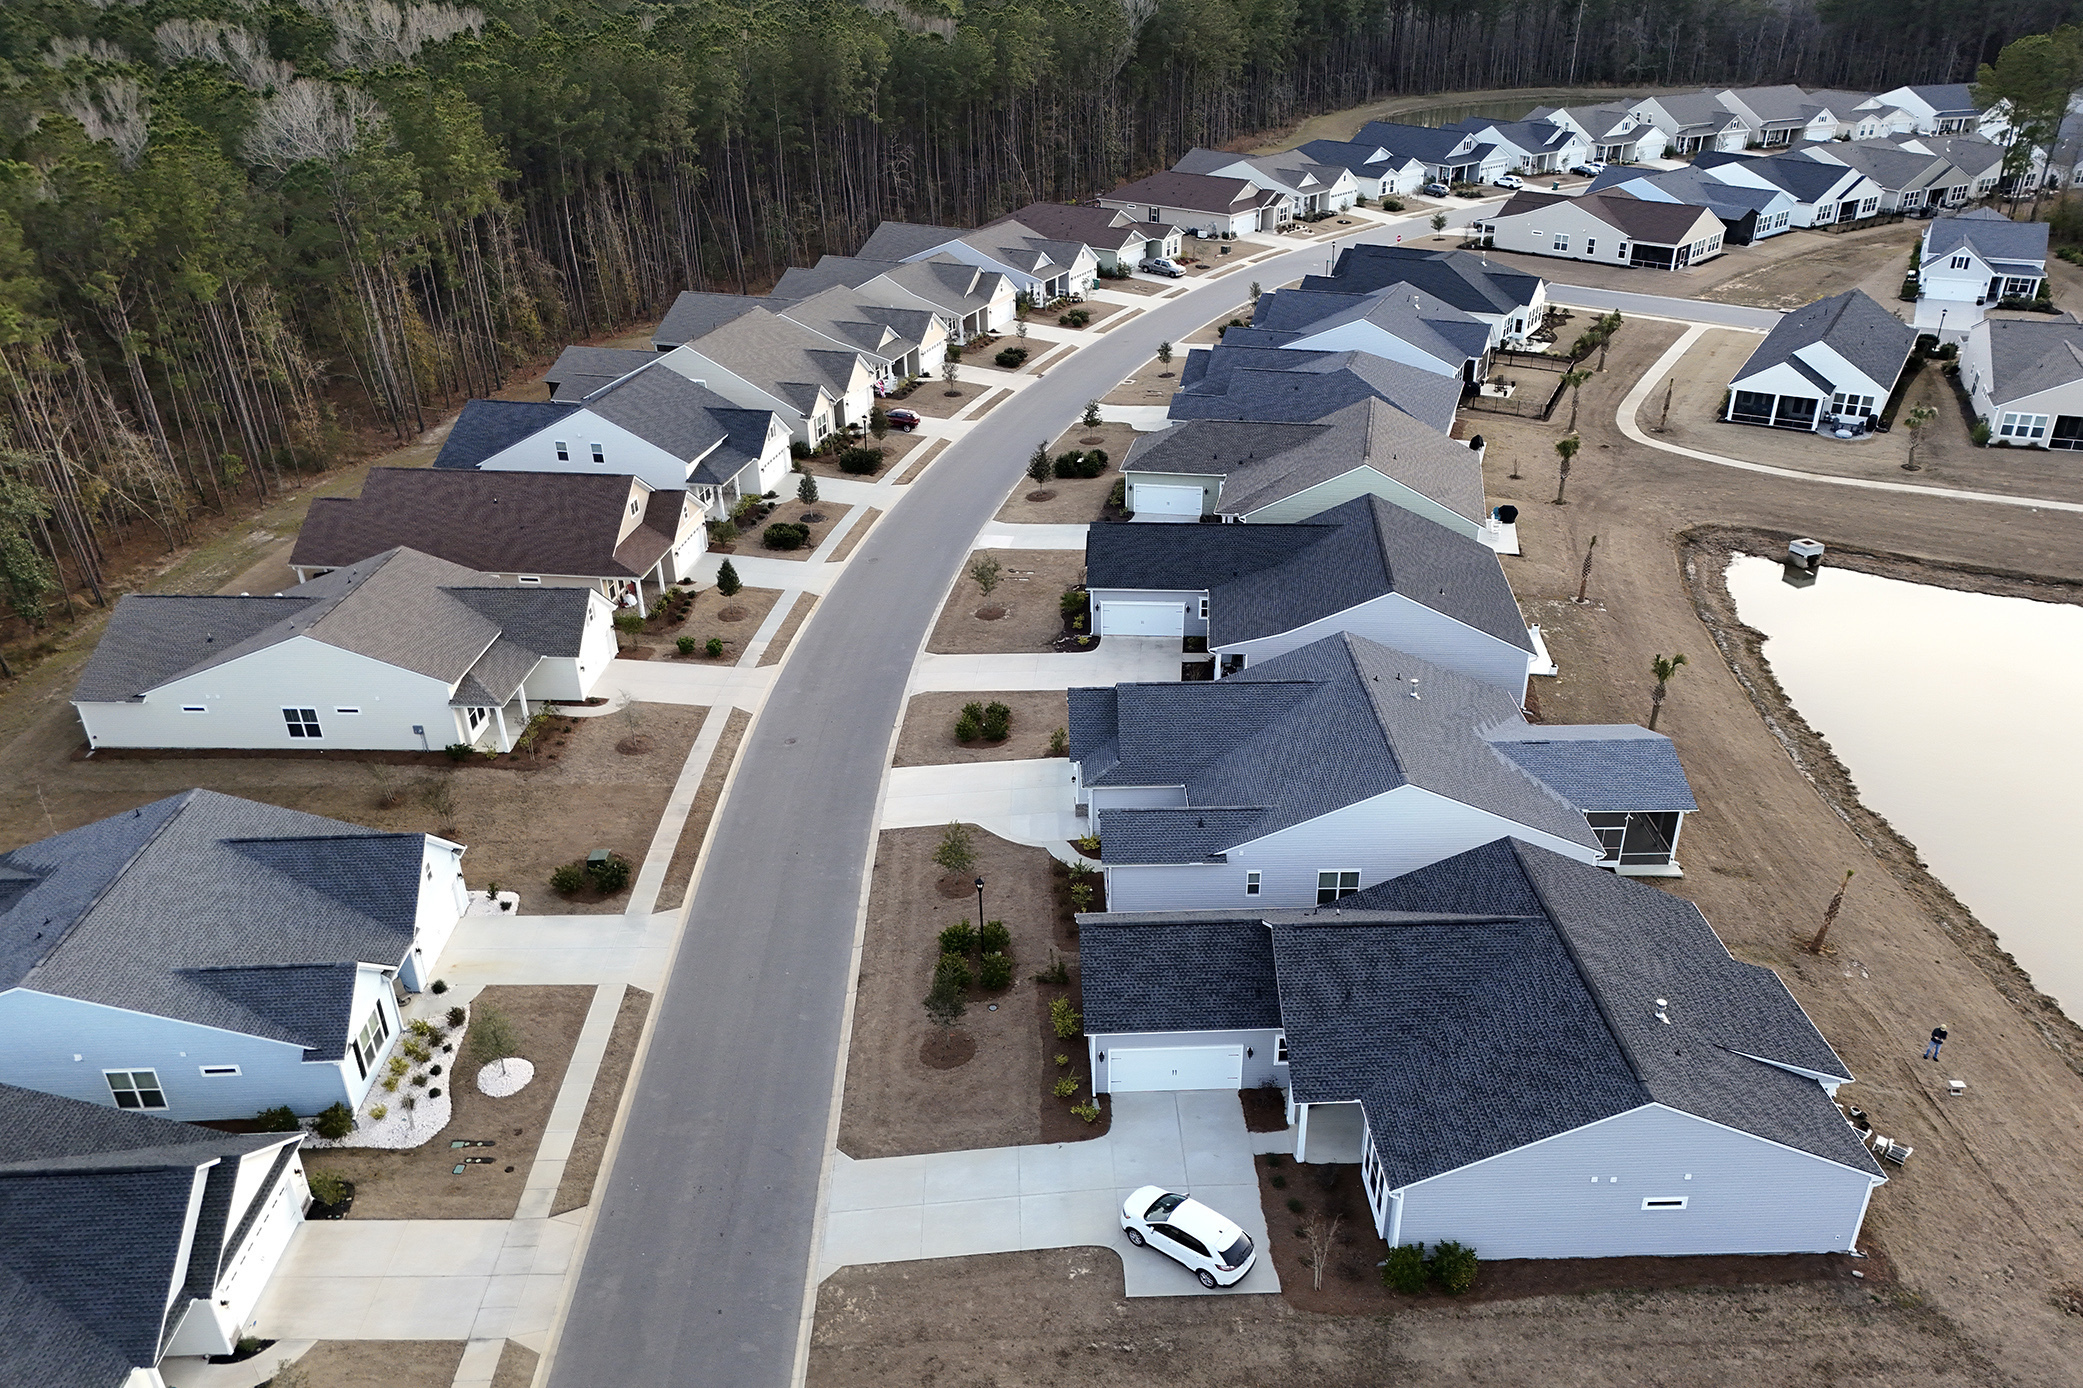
[{"x": 1888, "y": 1149}]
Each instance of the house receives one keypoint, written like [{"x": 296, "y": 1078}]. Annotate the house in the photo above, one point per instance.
[
  {"x": 1531, "y": 146},
  {"x": 1276, "y": 385},
  {"x": 400, "y": 651},
  {"x": 1116, "y": 239},
  {"x": 1824, "y": 194},
  {"x": 1401, "y": 322},
  {"x": 2025, "y": 379},
  {"x": 1520, "y": 1052},
  {"x": 1042, "y": 268},
  {"x": 205, "y": 957},
  {"x": 131, "y": 1239},
  {"x": 582, "y": 371},
  {"x": 1747, "y": 214},
  {"x": 977, "y": 300},
  {"x": 1509, "y": 300},
  {"x": 1259, "y": 472},
  {"x": 1336, "y": 766},
  {"x": 1376, "y": 172},
  {"x": 1982, "y": 256},
  {"x": 1610, "y": 227},
  {"x": 1258, "y": 591},
  {"x": 1692, "y": 122},
  {"x": 655, "y": 425},
  {"x": 897, "y": 334},
  {"x": 607, "y": 531},
  {"x": 1826, "y": 367},
  {"x": 1942, "y": 109},
  {"x": 1908, "y": 179},
  {"x": 1778, "y": 116},
  {"x": 1310, "y": 187},
  {"x": 1450, "y": 156},
  {"x": 1614, "y": 133},
  {"x": 1861, "y": 117},
  {"x": 1203, "y": 204},
  {"x": 761, "y": 361},
  {"x": 1979, "y": 161}
]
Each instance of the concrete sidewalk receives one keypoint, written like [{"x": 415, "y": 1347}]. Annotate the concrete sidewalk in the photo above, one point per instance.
[
  {"x": 1030, "y": 802},
  {"x": 1005, "y": 535},
  {"x": 1060, "y": 1195},
  {"x": 1117, "y": 659}
]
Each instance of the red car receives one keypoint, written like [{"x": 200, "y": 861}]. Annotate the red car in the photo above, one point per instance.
[{"x": 907, "y": 420}]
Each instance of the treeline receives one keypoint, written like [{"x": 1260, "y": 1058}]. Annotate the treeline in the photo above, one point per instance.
[{"x": 233, "y": 231}]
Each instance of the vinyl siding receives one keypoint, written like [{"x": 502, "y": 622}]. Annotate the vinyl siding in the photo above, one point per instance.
[
  {"x": 442, "y": 897},
  {"x": 1399, "y": 622},
  {"x": 1258, "y": 1066},
  {"x": 565, "y": 677},
  {"x": 1745, "y": 1195},
  {"x": 1190, "y": 598},
  {"x": 621, "y": 452},
  {"x": 1209, "y": 483},
  {"x": 1361, "y": 481}
]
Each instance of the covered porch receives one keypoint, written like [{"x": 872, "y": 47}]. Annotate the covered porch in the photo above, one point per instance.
[
  {"x": 1638, "y": 843},
  {"x": 493, "y": 727}
]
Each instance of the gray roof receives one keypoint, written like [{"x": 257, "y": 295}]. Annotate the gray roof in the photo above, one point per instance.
[
  {"x": 1892, "y": 167},
  {"x": 579, "y": 371},
  {"x": 1693, "y": 186},
  {"x": 1949, "y": 98},
  {"x": 781, "y": 357},
  {"x": 1695, "y": 113},
  {"x": 1291, "y": 739},
  {"x": 1192, "y": 192},
  {"x": 1266, "y": 579},
  {"x": 696, "y": 314},
  {"x": 1107, "y": 228},
  {"x": 1852, "y": 325},
  {"x": 903, "y": 240},
  {"x": 486, "y": 427},
  {"x": 666, "y": 410},
  {"x": 1989, "y": 234},
  {"x": 1532, "y": 136},
  {"x": 214, "y": 910},
  {"x": 1467, "y": 280},
  {"x": 1599, "y": 766},
  {"x": 1140, "y": 973},
  {"x": 2027, "y": 356},
  {"x": 1809, "y": 180},
  {"x": 1297, "y": 385},
  {"x": 1356, "y": 157},
  {"x": 400, "y": 607},
  {"x": 1405, "y": 311},
  {"x": 1293, "y": 170},
  {"x": 1783, "y": 105},
  {"x": 1424, "y": 143}
]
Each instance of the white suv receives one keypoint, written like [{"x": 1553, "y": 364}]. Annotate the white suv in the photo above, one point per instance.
[{"x": 1182, "y": 1228}]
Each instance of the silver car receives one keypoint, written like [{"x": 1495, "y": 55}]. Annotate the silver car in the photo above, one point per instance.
[
  {"x": 1158, "y": 265},
  {"x": 1188, "y": 1232}
]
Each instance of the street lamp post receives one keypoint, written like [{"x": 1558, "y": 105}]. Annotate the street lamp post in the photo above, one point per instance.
[{"x": 979, "y": 903}]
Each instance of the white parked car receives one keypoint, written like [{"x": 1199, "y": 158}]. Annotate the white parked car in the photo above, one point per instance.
[
  {"x": 1508, "y": 180},
  {"x": 1185, "y": 1230}
]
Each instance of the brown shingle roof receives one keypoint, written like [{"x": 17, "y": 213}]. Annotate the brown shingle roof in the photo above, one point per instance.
[{"x": 1195, "y": 192}]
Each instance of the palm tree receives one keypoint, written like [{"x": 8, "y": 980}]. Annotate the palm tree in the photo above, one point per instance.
[
  {"x": 1566, "y": 448},
  {"x": 1663, "y": 670},
  {"x": 1573, "y": 381},
  {"x": 1916, "y": 421},
  {"x": 1815, "y": 946}
]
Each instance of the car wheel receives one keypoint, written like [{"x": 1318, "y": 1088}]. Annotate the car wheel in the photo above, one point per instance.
[
  {"x": 1207, "y": 1277},
  {"x": 1135, "y": 1236}
]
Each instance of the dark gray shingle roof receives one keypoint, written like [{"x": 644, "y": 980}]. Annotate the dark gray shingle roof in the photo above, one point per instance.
[
  {"x": 1467, "y": 280},
  {"x": 1145, "y": 974},
  {"x": 2027, "y": 356},
  {"x": 579, "y": 371},
  {"x": 486, "y": 427},
  {"x": 1989, "y": 234},
  {"x": 1610, "y": 767},
  {"x": 1285, "y": 384},
  {"x": 1851, "y": 325},
  {"x": 696, "y": 314}
]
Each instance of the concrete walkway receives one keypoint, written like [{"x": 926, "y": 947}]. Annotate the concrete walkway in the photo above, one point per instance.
[
  {"x": 1004, "y": 535},
  {"x": 1030, "y": 802},
  {"x": 1135, "y": 659},
  {"x": 1062, "y": 1195}
]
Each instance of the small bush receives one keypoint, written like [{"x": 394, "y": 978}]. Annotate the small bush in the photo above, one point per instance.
[
  {"x": 610, "y": 874},
  {"x": 441, "y": 986},
  {"x": 1980, "y": 433},
  {"x": 996, "y": 972},
  {"x": 1089, "y": 1111},
  {"x": 326, "y": 1188},
  {"x": 1011, "y": 357},
  {"x": 379, "y": 1112},
  {"x": 1278, "y": 1182},
  {"x": 1066, "y": 1088},
  {"x": 1405, "y": 1270},
  {"x": 1096, "y": 459},
  {"x": 459, "y": 751},
  {"x": 685, "y": 645},
  {"x": 1453, "y": 1267},
  {"x": 785, "y": 535},
  {"x": 952, "y": 971},
  {"x": 568, "y": 879},
  {"x": 798, "y": 449},
  {"x": 334, "y": 1123},
  {"x": 1119, "y": 496},
  {"x": 957, "y": 850},
  {"x": 434, "y": 1093},
  {"x": 1057, "y": 973},
  {"x": 1294, "y": 1205},
  {"x": 1059, "y": 743},
  {"x": 727, "y": 582},
  {"x": 997, "y": 722},
  {"x": 1087, "y": 844},
  {"x": 1070, "y": 464},
  {"x": 723, "y": 532},
  {"x": 1392, "y": 204},
  {"x": 1074, "y": 603},
  {"x": 1062, "y": 1060},
  {"x": 1067, "y": 1020},
  {"x": 433, "y": 1069},
  {"x": 278, "y": 1120},
  {"x": 861, "y": 462},
  {"x": 457, "y": 1016},
  {"x": 994, "y": 938},
  {"x": 959, "y": 938},
  {"x": 745, "y": 506},
  {"x": 713, "y": 647},
  {"x": 970, "y": 726}
]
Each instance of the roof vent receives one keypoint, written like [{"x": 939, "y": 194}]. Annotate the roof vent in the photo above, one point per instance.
[{"x": 1662, "y": 1011}]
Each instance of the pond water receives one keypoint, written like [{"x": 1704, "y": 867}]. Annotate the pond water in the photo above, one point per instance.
[{"x": 1956, "y": 715}]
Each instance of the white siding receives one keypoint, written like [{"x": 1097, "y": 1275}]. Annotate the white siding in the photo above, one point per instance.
[
  {"x": 1258, "y": 1066},
  {"x": 621, "y": 452},
  {"x": 1402, "y": 624},
  {"x": 442, "y": 896},
  {"x": 1560, "y": 1198},
  {"x": 1369, "y": 337},
  {"x": 1190, "y": 599},
  {"x": 565, "y": 677},
  {"x": 1363, "y": 481}
]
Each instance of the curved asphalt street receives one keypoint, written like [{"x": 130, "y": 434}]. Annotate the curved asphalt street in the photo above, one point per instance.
[{"x": 699, "y": 1258}]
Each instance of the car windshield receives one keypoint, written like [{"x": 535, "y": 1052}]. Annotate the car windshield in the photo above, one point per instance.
[
  {"x": 1236, "y": 1253},
  {"x": 1164, "y": 1205}
]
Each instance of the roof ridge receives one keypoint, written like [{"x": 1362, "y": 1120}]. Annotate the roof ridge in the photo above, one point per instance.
[{"x": 1569, "y": 946}]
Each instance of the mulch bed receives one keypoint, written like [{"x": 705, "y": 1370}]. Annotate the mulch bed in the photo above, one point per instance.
[
  {"x": 1044, "y": 494},
  {"x": 732, "y": 614},
  {"x": 1058, "y": 1123},
  {"x": 636, "y": 653},
  {"x": 1265, "y": 1109},
  {"x": 955, "y": 1049},
  {"x": 992, "y": 613}
]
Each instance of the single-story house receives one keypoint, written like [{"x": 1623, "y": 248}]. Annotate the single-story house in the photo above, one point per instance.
[
  {"x": 607, "y": 531},
  {"x": 1908, "y": 179},
  {"x": 1203, "y": 204},
  {"x": 1828, "y": 366},
  {"x": 1511, "y": 301},
  {"x": 1776, "y": 116},
  {"x": 1941, "y": 109},
  {"x": 1824, "y": 194},
  {"x": 1401, "y": 322},
  {"x": 1258, "y": 591},
  {"x": 1982, "y": 256},
  {"x": 898, "y": 334},
  {"x": 1376, "y": 172},
  {"x": 760, "y": 360},
  {"x": 1979, "y": 161},
  {"x": 1521, "y": 1053},
  {"x": 399, "y": 651},
  {"x": 1310, "y": 187},
  {"x": 2025, "y": 379},
  {"x": 1693, "y": 121},
  {"x": 1747, "y": 213},
  {"x": 1613, "y": 133},
  {"x": 1531, "y": 146},
  {"x": 205, "y": 957},
  {"x": 1610, "y": 227},
  {"x": 131, "y": 1239},
  {"x": 1449, "y": 156},
  {"x": 1251, "y": 470},
  {"x": 582, "y": 371},
  {"x": 1335, "y": 766},
  {"x": 1039, "y": 266},
  {"x": 1115, "y": 238},
  {"x": 977, "y": 300},
  {"x": 1274, "y": 384}
]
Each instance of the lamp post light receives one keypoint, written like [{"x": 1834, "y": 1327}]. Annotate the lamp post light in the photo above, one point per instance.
[{"x": 979, "y": 903}]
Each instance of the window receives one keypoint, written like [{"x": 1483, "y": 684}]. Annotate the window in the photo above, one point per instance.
[
  {"x": 599, "y": 455},
  {"x": 1591, "y": 245},
  {"x": 1851, "y": 404},
  {"x": 303, "y": 722},
  {"x": 1251, "y": 884},
  {"x": 2018, "y": 287},
  {"x": 1665, "y": 1202},
  {"x": 1561, "y": 241},
  {"x": 563, "y": 451},
  {"x": 477, "y": 718},
  {"x": 1958, "y": 262},
  {"x": 1621, "y": 254},
  {"x": 2023, "y": 426},
  {"x": 135, "y": 1088},
  {"x": 1280, "y": 1049},
  {"x": 347, "y": 710},
  {"x": 218, "y": 1070},
  {"x": 1204, "y": 609},
  {"x": 1869, "y": 207},
  {"x": 1153, "y": 217},
  {"x": 368, "y": 1043},
  {"x": 193, "y": 708},
  {"x": 1334, "y": 886}
]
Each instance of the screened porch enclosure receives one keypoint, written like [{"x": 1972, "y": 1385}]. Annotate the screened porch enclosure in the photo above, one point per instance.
[{"x": 1774, "y": 411}]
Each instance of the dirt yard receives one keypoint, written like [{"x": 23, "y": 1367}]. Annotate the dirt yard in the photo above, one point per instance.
[
  {"x": 793, "y": 512},
  {"x": 680, "y": 871},
  {"x": 928, "y": 736},
  {"x": 1071, "y": 500},
  {"x": 895, "y": 1102},
  {"x": 421, "y": 1183},
  {"x": 582, "y": 1167},
  {"x": 1024, "y": 610},
  {"x": 1152, "y": 383},
  {"x": 376, "y": 1363},
  {"x": 806, "y": 603},
  {"x": 730, "y": 620},
  {"x": 932, "y": 399},
  {"x": 896, "y": 446}
]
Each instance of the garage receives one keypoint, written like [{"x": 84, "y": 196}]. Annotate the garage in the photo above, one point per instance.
[
  {"x": 1149, "y": 500},
  {"x": 1142, "y": 619},
  {"x": 1134, "y": 1071}
]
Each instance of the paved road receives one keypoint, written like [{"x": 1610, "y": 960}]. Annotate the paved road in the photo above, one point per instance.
[
  {"x": 1662, "y": 306},
  {"x": 700, "y": 1255}
]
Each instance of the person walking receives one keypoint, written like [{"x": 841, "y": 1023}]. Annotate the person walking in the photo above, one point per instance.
[{"x": 1938, "y": 1038}]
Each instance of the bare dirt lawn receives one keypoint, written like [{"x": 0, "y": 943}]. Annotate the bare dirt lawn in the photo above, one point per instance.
[
  {"x": 932, "y": 399},
  {"x": 582, "y": 1167},
  {"x": 1152, "y": 383},
  {"x": 928, "y": 736},
  {"x": 731, "y": 620},
  {"x": 792, "y": 512},
  {"x": 680, "y": 871},
  {"x": 807, "y": 602},
  {"x": 895, "y": 445},
  {"x": 1071, "y": 500},
  {"x": 1026, "y": 603},
  {"x": 377, "y": 1363},
  {"x": 516, "y": 1366}
]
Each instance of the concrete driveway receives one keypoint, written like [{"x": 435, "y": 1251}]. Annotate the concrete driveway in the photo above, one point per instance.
[
  {"x": 1062, "y": 1195},
  {"x": 1117, "y": 659},
  {"x": 1030, "y": 802}
]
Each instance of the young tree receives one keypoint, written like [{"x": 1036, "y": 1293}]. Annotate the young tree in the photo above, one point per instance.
[
  {"x": 1164, "y": 357},
  {"x": 1090, "y": 419},
  {"x": 985, "y": 571},
  {"x": 492, "y": 1038},
  {"x": 1439, "y": 223},
  {"x": 1573, "y": 382},
  {"x": 1565, "y": 448},
  {"x": 1663, "y": 670},
  {"x": 951, "y": 373},
  {"x": 1816, "y": 945},
  {"x": 957, "y": 850},
  {"x": 1039, "y": 467},
  {"x": 806, "y": 489},
  {"x": 727, "y": 580},
  {"x": 1584, "y": 575},
  {"x": 1916, "y": 421},
  {"x": 945, "y": 1005},
  {"x": 879, "y": 422}
]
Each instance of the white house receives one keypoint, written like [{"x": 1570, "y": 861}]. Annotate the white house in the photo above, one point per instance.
[
  {"x": 1826, "y": 368},
  {"x": 1943, "y": 109},
  {"x": 2025, "y": 379},
  {"x": 1908, "y": 179},
  {"x": 1824, "y": 193},
  {"x": 762, "y": 361},
  {"x": 1981, "y": 256},
  {"x": 133, "y": 1240},
  {"x": 1509, "y": 301},
  {"x": 1612, "y": 228},
  {"x": 1400, "y": 321},
  {"x": 205, "y": 957},
  {"x": 1203, "y": 204},
  {"x": 1747, "y": 214},
  {"x": 1693, "y": 121},
  {"x": 1344, "y": 763},
  {"x": 1450, "y": 155},
  {"x": 400, "y": 651},
  {"x": 1521, "y": 1053},
  {"x": 1774, "y": 116},
  {"x": 976, "y": 299},
  {"x": 1310, "y": 187},
  {"x": 897, "y": 333},
  {"x": 1530, "y": 146},
  {"x": 1614, "y": 133},
  {"x": 1376, "y": 172},
  {"x": 1038, "y": 266},
  {"x": 1275, "y": 385},
  {"x": 1365, "y": 566},
  {"x": 1115, "y": 238}
]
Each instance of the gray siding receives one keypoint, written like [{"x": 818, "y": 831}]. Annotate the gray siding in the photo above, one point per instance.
[
  {"x": 1579, "y": 1195},
  {"x": 1190, "y": 598},
  {"x": 1209, "y": 483},
  {"x": 1398, "y": 622},
  {"x": 1258, "y": 1066}
]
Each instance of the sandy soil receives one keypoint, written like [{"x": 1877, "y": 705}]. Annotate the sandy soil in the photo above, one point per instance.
[
  {"x": 1802, "y": 266},
  {"x": 918, "y": 464},
  {"x": 376, "y": 1363},
  {"x": 1152, "y": 383},
  {"x": 895, "y": 446},
  {"x": 896, "y": 1105},
  {"x": 582, "y": 1167},
  {"x": 792, "y": 512},
  {"x": 851, "y": 541},
  {"x": 421, "y": 1183},
  {"x": 932, "y": 400},
  {"x": 807, "y": 602},
  {"x": 705, "y": 619},
  {"x": 680, "y": 871},
  {"x": 1075, "y": 499},
  {"x": 516, "y": 1366},
  {"x": 1030, "y": 587},
  {"x": 928, "y": 736}
]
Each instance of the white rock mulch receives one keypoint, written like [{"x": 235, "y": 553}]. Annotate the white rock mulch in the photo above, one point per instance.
[
  {"x": 399, "y": 1128},
  {"x": 504, "y": 1077}
]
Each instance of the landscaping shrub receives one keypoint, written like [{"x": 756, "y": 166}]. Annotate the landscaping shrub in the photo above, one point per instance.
[
  {"x": 745, "y": 506},
  {"x": 806, "y": 489},
  {"x": 1089, "y": 1111},
  {"x": 1067, "y": 1020},
  {"x": 434, "y": 1093},
  {"x": 1453, "y": 1267},
  {"x": 959, "y": 938},
  {"x": 459, "y": 751},
  {"x": 1392, "y": 204},
  {"x": 685, "y": 645},
  {"x": 722, "y": 532},
  {"x": 1087, "y": 844},
  {"x": 1011, "y": 357},
  {"x": 997, "y": 722},
  {"x": 334, "y": 1123},
  {"x": 970, "y": 726},
  {"x": 457, "y": 1016},
  {"x": 1294, "y": 1205},
  {"x": 441, "y": 986},
  {"x": 1070, "y": 464},
  {"x": 1057, "y": 973},
  {"x": 1980, "y": 433},
  {"x": 957, "y": 850},
  {"x": 1096, "y": 459},
  {"x": 278, "y": 1120},
  {"x": 798, "y": 449},
  {"x": 1038, "y": 467},
  {"x": 1062, "y": 1060},
  {"x": 952, "y": 971},
  {"x": 994, "y": 938},
  {"x": 628, "y": 623},
  {"x": 326, "y": 1188},
  {"x": 1405, "y": 1270},
  {"x": 1075, "y": 318},
  {"x": 996, "y": 972},
  {"x": 713, "y": 647},
  {"x": 1059, "y": 743},
  {"x": 785, "y": 535},
  {"x": 861, "y": 461},
  {"x": 1277, "y": 1182},
  {"x": 727, "y": 580},
  {"x": 568, "y": 879},
  {"x": 1075, "y": 604},
  {"x": 610, "y": 874},
  {"x": 1067, "y": 1087},
  {"x": 1119, "y": 496}
]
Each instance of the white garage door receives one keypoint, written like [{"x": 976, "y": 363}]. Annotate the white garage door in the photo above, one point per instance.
[
  {"x": 1175, "y": 1067},
  {"x": 1142, "y": 619},
  {"x": 1165, "y": 501}
]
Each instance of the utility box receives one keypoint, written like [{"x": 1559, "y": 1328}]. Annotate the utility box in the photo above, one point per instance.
[
  {"x": 596, "y": 857},
  {"x": 1805, "y": 555}
]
